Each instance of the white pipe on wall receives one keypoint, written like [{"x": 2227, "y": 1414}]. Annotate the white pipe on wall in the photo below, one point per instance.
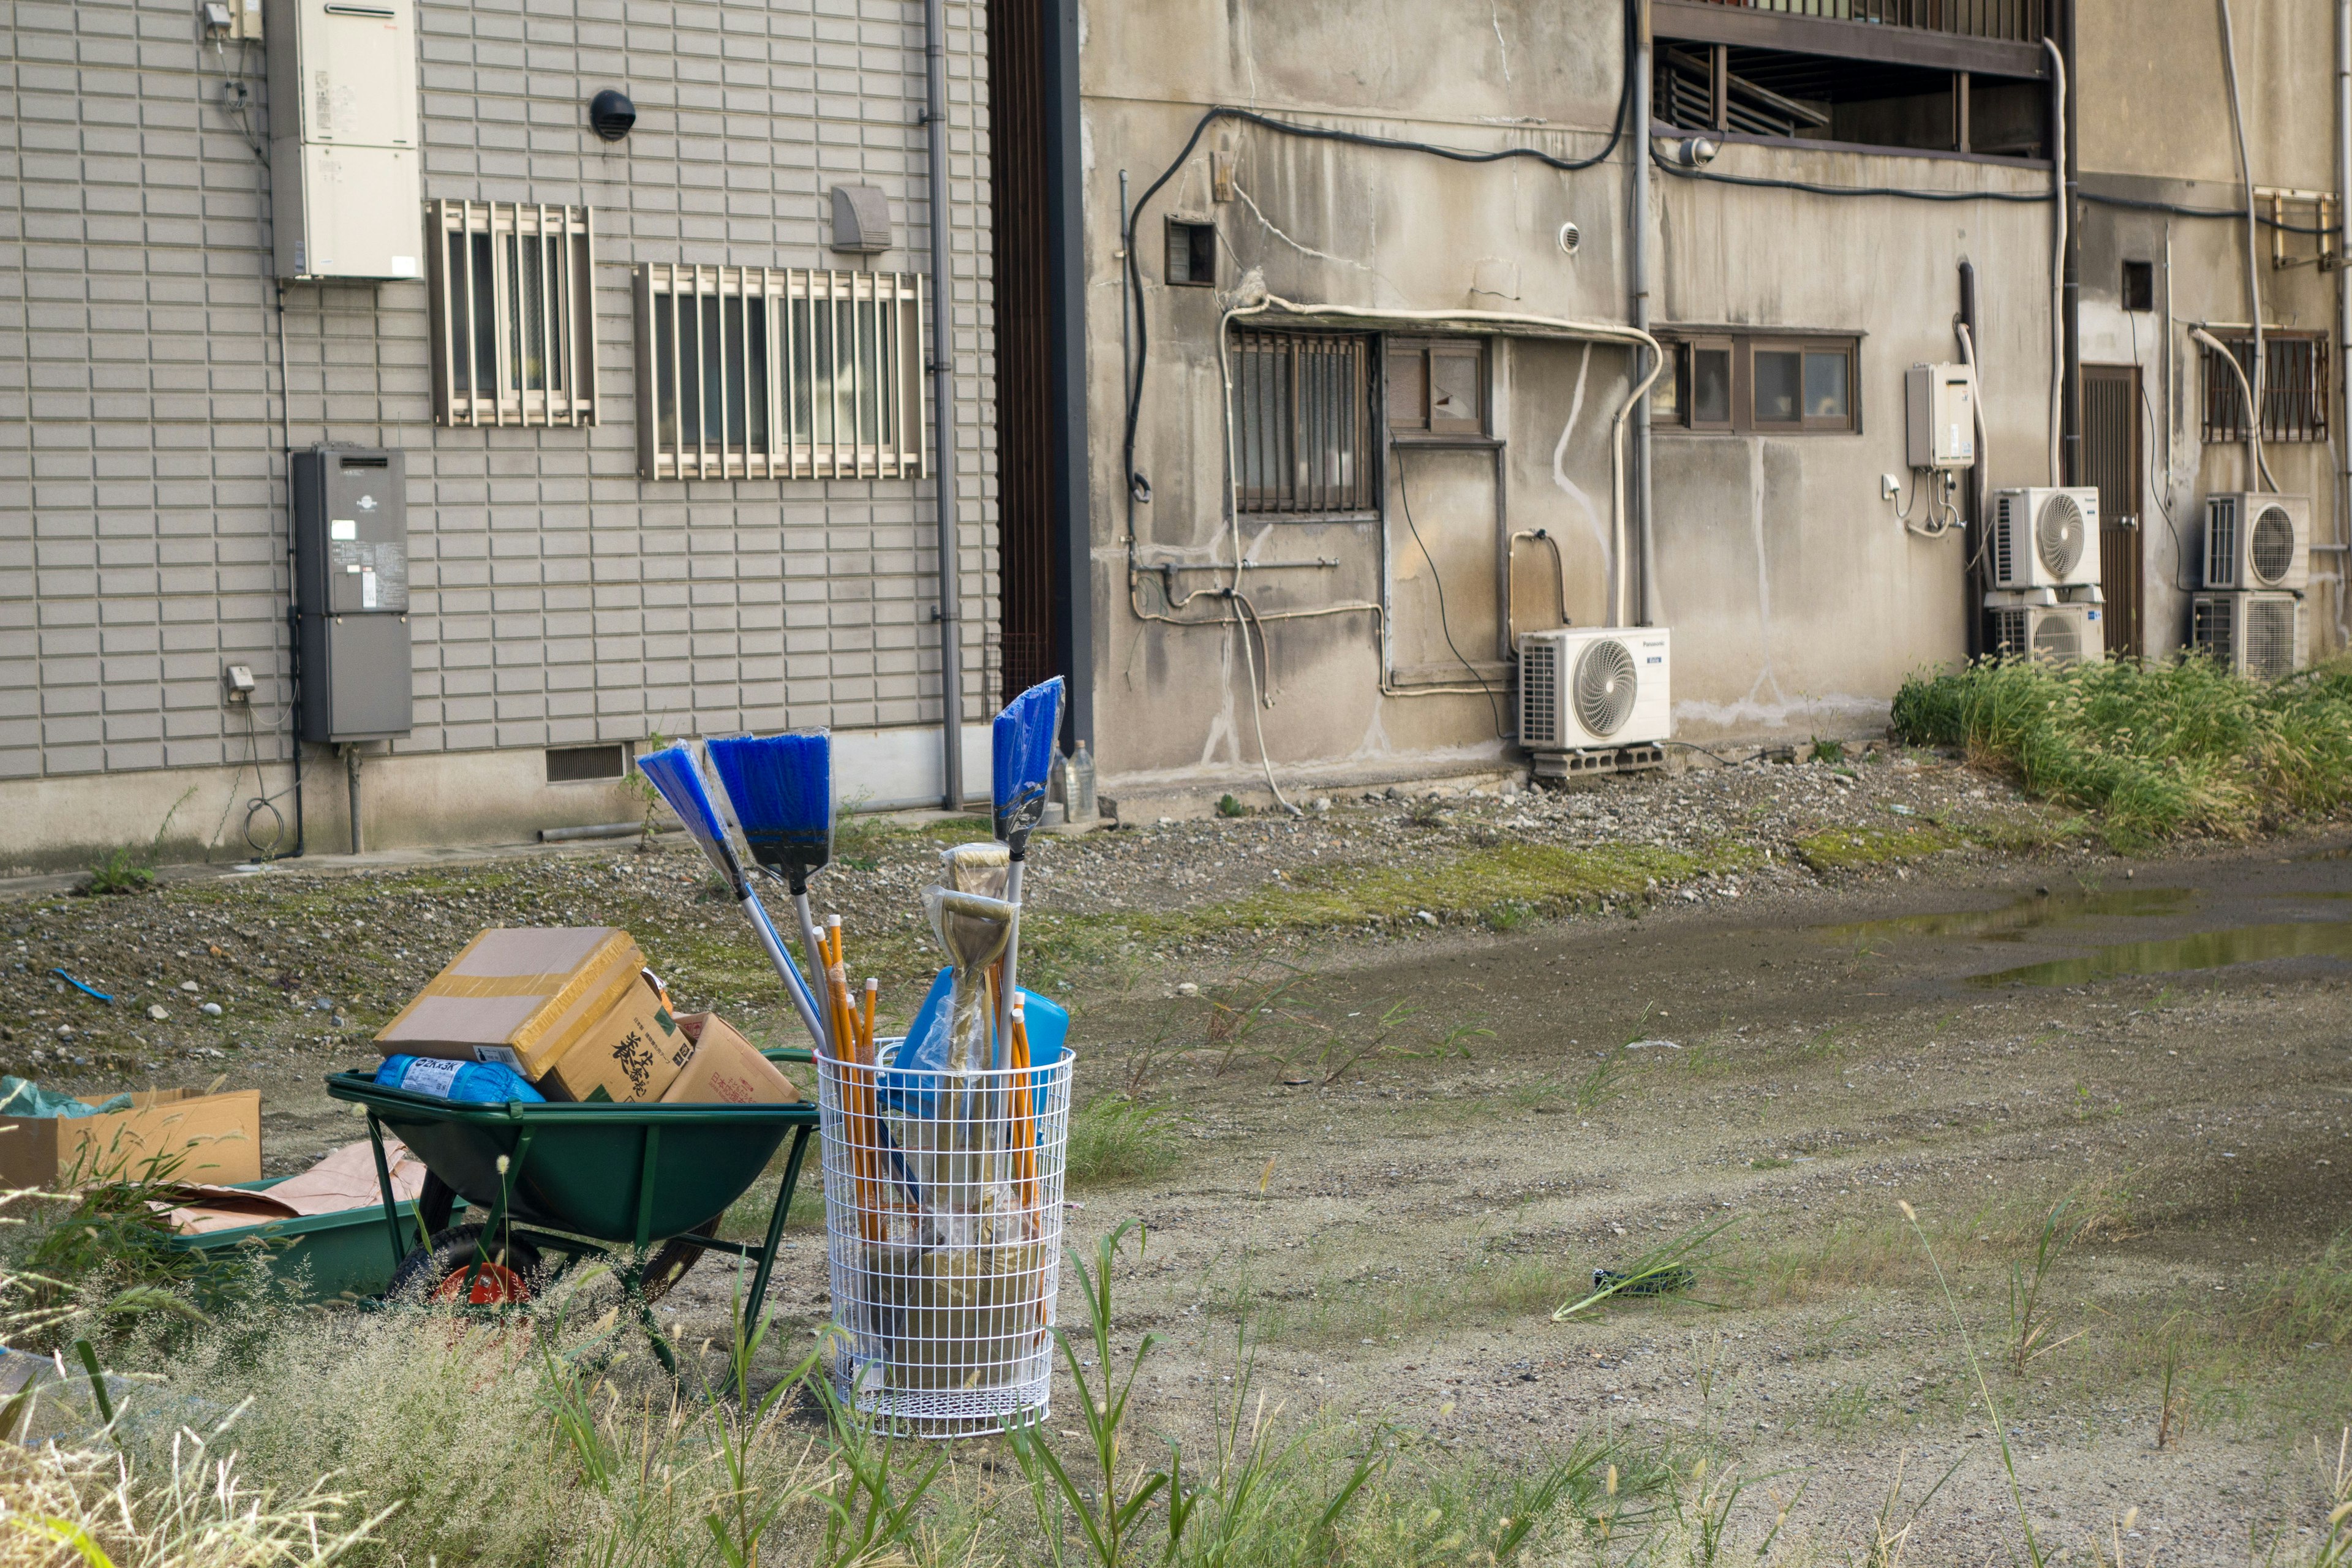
[{"x": 2057, "y": 258}]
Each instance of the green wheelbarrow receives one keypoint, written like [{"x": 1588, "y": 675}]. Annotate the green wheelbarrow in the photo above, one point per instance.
[{"x": 558, "y": 1183}]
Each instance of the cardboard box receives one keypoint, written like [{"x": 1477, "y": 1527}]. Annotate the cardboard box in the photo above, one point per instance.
[
  {"x": 218, "y": 1136},
  {"x": 632, "y": 1052},
  {"x": 726, "y": 1069},
  {"x": 524, "y": 996}
]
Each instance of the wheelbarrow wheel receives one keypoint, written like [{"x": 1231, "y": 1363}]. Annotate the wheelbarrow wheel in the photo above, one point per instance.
[
  {"x": 673, "y": 1258},
  {"x": 443, "y": 1262}
]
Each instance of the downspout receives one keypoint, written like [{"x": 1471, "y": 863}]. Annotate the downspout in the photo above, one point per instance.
[
  {"x": 2343, "y": 291},
  {"x": 1645, "y": 364},
  {"x": 2062, "y": 264},
  {"x": 2068, "y": 177},
  {"x": 950, "y": 613},
  {"x": 2257, "y": 472}
]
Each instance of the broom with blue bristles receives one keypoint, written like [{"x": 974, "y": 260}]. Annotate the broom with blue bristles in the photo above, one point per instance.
[
  {"x": 1023, "y": 739},
  {"x": 679, "y": 776},
  {"x": 781, "y": 789}
]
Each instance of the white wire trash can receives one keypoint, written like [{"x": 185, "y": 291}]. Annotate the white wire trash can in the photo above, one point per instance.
[{"x": 943, "y": 1234}]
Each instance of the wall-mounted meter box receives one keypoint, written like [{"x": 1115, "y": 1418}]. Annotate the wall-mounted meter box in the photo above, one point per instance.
[
  {"x": 345, "y": 159},
  {"x": 1940, "y": 404},
  {"x": 351, "y": 593}
]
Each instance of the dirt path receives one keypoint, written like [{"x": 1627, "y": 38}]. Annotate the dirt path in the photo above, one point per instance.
[{"x": 1392, "y": 1228}]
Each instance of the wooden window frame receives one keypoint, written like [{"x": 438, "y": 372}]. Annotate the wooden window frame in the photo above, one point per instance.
[
  {"x": 1284, "y": 354},
  {"x": 866, "y": 427},
  {"x": 462, "y": 302},
  {"x": 1683, "y": 345}
]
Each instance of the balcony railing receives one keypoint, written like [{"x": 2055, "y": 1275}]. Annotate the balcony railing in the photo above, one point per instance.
[{"x": 2016, "y": 21}]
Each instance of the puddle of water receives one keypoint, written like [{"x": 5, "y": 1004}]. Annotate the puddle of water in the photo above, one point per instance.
[
  {"x": 2009, "y": 922},
  {"x": 2208, "y": 950}
]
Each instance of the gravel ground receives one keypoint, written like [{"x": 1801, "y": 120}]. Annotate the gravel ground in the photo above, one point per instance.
[
  {"x": 1428, "y": 1205},
  {"x": 304, "y": 964}
]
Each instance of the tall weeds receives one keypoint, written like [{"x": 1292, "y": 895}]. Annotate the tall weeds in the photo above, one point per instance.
[{"x": 2157, "y": 750}]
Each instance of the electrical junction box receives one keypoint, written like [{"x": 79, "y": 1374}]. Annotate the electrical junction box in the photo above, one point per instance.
[
  {"x": 1940, "y": 404},
  {"x": 351, "y": 593},
  {"x": 345, "y": 159}
]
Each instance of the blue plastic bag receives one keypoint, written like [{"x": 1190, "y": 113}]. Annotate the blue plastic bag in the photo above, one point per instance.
[
  {"x": 925, "y": 1048},
  {"x": 465, "y": 1083}
]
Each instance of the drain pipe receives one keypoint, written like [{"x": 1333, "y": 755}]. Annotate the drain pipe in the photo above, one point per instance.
[
  {"x": 949, "y": 616},
  {"x": 352, "y": 776},
  {"x": 2258, "y": 475},
  {"x": 1640, "y": 260},
  {"x": 2344, "y": 283}
]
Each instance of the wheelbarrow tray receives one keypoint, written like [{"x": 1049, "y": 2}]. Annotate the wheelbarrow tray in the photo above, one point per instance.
[
  {"x": 624, "y": 1172},
  {"x": 344, "y": 1251}
]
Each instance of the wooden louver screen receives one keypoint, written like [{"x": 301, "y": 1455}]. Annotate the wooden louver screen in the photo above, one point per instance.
[{"x": 779, "y": 373}]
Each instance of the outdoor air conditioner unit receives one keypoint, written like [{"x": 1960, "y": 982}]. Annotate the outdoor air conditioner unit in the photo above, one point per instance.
[
  {"x": 2261, "y": 634},
  {"x": 2061, "y": 633},
  {"x": 2045, "y": 538},
  {"x": 2257, "y": 541},
  {"x": 1594, "y": 688}
]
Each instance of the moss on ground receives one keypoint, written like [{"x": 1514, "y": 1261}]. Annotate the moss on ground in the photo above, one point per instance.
[
  {"x": 1498, "y": 885},
  {"x": 1858, "y": 849}
]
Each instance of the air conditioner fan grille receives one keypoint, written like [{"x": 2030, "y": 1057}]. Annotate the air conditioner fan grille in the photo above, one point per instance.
[
  {"x": 2271, "y": 550},
  {"x": 1606, "y": 686},
  {"x": 2058, "y": 534}
]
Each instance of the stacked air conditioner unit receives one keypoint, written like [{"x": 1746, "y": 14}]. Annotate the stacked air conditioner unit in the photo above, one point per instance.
[
  {"x": 1596, "y": 700},
  {"x": 2043, "y": 560},
  {"x": 2257, "y": 564}
]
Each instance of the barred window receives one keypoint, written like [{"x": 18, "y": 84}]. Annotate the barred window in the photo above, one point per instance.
[
  {"x": 514, "y": 320},
  {"x": 2294, "y": 386},
  {"x": 779, "y": 373},
  {"x": 1302, "y": 423}
]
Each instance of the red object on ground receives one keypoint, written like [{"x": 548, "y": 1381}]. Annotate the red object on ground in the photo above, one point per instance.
[{"x": 494, "y": 1285}]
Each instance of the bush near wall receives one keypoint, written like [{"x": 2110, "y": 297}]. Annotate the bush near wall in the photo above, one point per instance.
[{"x": 2157, "y": 750}]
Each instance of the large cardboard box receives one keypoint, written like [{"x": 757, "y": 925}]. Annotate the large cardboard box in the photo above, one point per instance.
[
  {"x": 214, "y": 1138},
  {"x": 726, "y": 1069},
  {"x": 632, "y": 1052},
  {"x": 525, "y": 997}
]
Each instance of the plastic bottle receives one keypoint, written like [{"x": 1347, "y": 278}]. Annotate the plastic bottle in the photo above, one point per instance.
[{"x": 1078, "y": 794}]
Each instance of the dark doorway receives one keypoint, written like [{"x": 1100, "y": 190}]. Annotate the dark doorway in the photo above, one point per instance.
[
  {"x": 2111, "y": 460},
  {"x": 1019, "y": 125}
]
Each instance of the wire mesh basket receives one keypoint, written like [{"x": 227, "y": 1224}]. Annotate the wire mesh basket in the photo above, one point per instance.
[{"x": 943, "y": 1230}]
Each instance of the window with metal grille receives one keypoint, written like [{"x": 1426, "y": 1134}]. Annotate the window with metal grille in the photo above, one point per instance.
[
  {"x": 2294, "y": 386},
  {"x": 779, "y": 373},
  {"x": 514, "y": 319},
  {"x": 1302, "y": 423}
]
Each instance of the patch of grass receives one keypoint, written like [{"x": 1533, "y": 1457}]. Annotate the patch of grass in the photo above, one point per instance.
[
  {"x": 1229, "y": 807},
  {"x": 1114, "y": 1139},
  {"x": 2157, "y": 750},
  {"x": 116, "y": 872},
  {"x": 1855, "y": 849},
  {"x": 1832, "y": 751},
  {"x": 1540, "y": 878}
]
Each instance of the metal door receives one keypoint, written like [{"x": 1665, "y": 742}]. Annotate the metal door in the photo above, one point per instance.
[{"x": 2111, "y": 460}]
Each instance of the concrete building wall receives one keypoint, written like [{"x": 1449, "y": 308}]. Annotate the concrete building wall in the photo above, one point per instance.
[
  {"x": 1798, "y": 601},
  {"x": 2156, "y": 127},
  {"x": 558, "y": 599}
]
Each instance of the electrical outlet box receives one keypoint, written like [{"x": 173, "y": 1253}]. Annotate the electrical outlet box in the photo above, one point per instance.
[
  {"x": 351, "y": 593},
  {"x": 345, "y": 161},
  {"x": 1939, "y": 403}
]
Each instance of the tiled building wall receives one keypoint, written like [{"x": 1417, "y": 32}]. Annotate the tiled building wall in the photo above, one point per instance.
[{"x": 557, "y": 598}]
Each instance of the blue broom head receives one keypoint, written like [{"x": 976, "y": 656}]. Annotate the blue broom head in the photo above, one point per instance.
[
  {"x": 675, "y": 773},
  {"x": 1024, "y": 737},
  {"x": 781, "y": 787}
]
